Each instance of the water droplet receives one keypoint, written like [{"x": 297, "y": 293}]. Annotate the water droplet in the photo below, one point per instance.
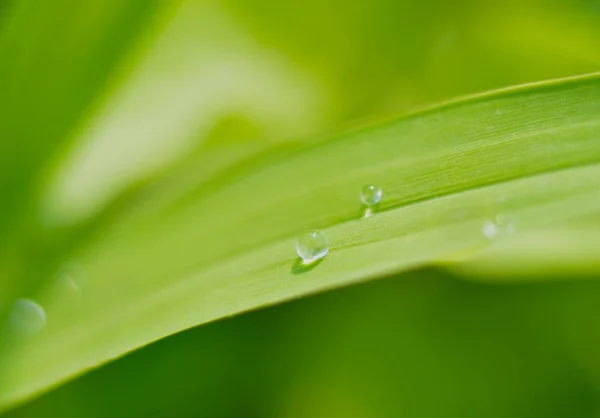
[
  {"x": 500, "y": 225},
  {"x": 27, "y": 317},
  {"x": 490, "y": 229},
  {"x": 371, "y": 195},
  {"x": 66, "y": 291},
  {"x": 312, "y": 246},
  {"x": 75, "y": 272}
]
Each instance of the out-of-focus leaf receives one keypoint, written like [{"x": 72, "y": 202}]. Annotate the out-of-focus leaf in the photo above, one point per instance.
[{"x": 55, "y": 61}]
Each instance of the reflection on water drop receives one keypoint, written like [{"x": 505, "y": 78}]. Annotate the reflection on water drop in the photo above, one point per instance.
[
  {"x": 27, "y": 317},
  {"x": 312, "y": 246},
  {"x": 367, "y": 212}
]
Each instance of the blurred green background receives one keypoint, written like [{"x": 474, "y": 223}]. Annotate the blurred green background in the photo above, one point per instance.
[{"x": 424, "y": 344}]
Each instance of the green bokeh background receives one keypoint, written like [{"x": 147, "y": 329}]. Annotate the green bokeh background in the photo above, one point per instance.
[{"x": 424, "y": 344}]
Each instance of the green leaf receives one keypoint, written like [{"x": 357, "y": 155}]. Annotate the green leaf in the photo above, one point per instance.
[
  {"x": 228, "y": 246},
  {"x": 56, "y": 61}
]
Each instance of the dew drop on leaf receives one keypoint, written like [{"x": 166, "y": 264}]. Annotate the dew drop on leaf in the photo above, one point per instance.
[
  {"x": 312, "y": 246},
  {"x": 27, "y": 317},
  {"x": 371, "y": 195},
  {"x": 499, "y": 226}
]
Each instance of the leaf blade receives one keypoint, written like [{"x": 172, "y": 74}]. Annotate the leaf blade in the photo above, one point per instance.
[{"x": 231, "y": 250}]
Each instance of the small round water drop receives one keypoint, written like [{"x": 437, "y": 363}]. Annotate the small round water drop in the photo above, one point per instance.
[
  {"x": 490, "y": 229},
  {"x": 75, "y": 272},
  {"x": 27, "y": 317},
  {"x": 312, "y": 246},
  {"x": 66, "y": 293},
  {"x": 501, "y": 225},
  {"x": 371, "y": 195}
]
